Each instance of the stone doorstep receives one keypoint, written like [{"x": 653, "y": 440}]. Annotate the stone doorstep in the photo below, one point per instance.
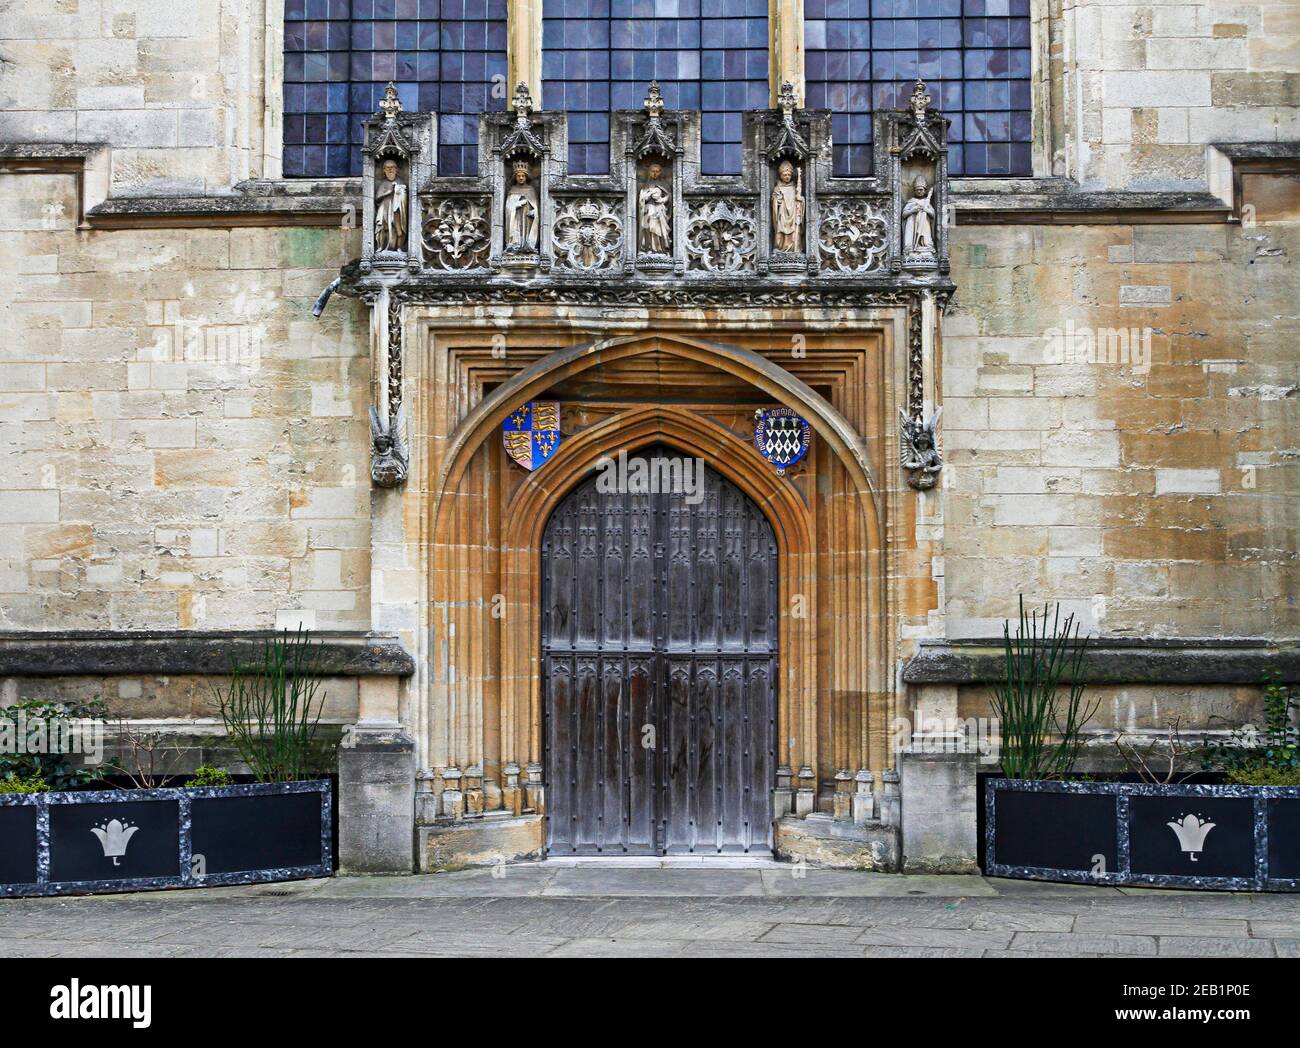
[
  {"x": 825, "y": 842},
  {"x": 499, "y": 837}
]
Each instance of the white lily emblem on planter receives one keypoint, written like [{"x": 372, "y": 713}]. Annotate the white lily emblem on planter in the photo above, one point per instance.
[
  {"x": 1191, "y": 833},
  {"x": 114, "y": 837}
]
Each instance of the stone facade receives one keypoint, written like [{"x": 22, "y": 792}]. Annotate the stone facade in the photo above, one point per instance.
[{"x": 187, "y": 448}]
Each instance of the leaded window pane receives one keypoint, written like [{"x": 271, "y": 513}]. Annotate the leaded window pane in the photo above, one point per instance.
[
  {"x": 600, "y": 55},
  {"x": 339, "y": 55},
  {"x": 974, "y": 56}
]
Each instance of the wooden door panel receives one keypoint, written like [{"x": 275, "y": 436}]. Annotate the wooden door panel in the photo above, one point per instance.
[{"x": 659, "y": 662}]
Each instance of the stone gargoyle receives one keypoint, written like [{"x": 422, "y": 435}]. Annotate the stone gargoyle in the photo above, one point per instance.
[{"x": 388, "y": 456}]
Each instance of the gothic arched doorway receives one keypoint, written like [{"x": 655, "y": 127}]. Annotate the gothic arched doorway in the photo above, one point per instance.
[{"x": 659, "y": 662}]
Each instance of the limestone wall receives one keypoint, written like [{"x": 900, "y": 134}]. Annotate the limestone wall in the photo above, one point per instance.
[
  {"x": 183, "y": 445},
  {"x": 1143, "y": 87},
  {"x": 180, "y": 90},
  {"x": 1153, "y": 500}
]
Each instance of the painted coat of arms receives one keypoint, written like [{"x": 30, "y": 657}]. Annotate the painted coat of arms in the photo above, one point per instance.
[
  {"x": 531, "y": 433},
  {"x": 781, "y": 436}
]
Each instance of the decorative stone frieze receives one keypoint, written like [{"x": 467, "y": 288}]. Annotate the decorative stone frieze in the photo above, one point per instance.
[
  {"x": 722, "y": 237},
  {"x": 588, "y": 234},
  {"x": 458, "y": 233},
  {"x": 654, "y": 218}
]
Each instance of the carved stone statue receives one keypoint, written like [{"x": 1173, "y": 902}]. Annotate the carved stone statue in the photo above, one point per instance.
[
  {"x": 919, "y": 450},
  {"x": 388, "y": 457},
  {"x": 390, "y": 209},
  {"x": 654, "y": 223},
  {"x": 787, "y": 208},
  {"x": 918, "y": 221},
  {"x": 521, "y": 210}
]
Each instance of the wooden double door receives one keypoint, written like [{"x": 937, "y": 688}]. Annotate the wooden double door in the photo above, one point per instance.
[{"x": 659, "y": 663}]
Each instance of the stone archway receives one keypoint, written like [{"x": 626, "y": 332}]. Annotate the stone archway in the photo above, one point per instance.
[
  {"x": 485, "y": 718},
  {"x": 529, "y": 511}
]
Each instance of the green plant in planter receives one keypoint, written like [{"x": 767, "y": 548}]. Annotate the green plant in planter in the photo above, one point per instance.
[
  {"x": 271, "y": 710},
  {"x": 1041, "y": 730},
  {"x": 206, "y": 775},
  {"x": 1264, "y": 775},
  {"x": 30, "y": 784},
  {"x": 1250, "y": 757},
  {"x": 56, "y": 769}
]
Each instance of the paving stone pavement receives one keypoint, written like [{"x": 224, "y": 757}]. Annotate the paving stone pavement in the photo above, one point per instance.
[{"x": 584, "y": 910}]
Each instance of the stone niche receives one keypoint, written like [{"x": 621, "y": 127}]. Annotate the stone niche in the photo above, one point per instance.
[
  {"x": 654, "y": 217},
  {"x": 397, "y": 157}
]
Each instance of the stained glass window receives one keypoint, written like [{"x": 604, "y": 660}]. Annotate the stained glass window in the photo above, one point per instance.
[
  {"x": 974, "y": 56},
  {"x": 600, "y": 55},
  {"x": 443, "y": 55}
]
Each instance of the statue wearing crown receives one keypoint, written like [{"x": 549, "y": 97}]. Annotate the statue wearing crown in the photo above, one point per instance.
[{"x": 521, "y": 210}]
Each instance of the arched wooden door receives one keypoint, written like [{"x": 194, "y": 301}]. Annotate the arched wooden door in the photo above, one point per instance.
[{"x": 659, "y": 662}]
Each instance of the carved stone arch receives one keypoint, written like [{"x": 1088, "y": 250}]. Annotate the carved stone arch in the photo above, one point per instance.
[
  {"x": 758, "y": 371},
  {"x": 484, "y": 690},
  {"x": 693, "y": 435}
]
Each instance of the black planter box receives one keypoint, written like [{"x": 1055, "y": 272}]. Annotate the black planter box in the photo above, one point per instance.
[
  {"x": 189, "y": 837},
  {"x": 1242, "y": 838}
]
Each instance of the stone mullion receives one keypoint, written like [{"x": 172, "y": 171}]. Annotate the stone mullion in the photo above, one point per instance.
[
  {"x": 785, "y": 35},
  {"x": 524, "y": 51}
]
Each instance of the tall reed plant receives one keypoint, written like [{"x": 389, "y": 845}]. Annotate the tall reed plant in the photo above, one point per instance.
[
  {"x": 1040, "y": 705},
  {"x": 271, "y": 709}
]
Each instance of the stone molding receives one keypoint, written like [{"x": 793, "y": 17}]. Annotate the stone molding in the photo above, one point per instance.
[
  {"x": 1118, "y": 661},
  {"x": 114, "y": 652},
  {"x": 330, "y": 202}
]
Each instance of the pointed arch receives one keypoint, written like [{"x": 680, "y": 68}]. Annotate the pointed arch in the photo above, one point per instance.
[
  {"x": 758, "y": 371},
  {"x": 470, "y": 644}
]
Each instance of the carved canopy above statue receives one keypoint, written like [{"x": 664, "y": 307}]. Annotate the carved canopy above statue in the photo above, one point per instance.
[
  {"x": 654, "y": 231},
  {"x": 524, "y": 224}
]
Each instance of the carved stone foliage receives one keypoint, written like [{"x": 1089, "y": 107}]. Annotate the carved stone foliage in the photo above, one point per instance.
[
  {"x": 588, "y": 234},
  {"x": 853, "y": 237},
  {"x": 457, "y": 233},
  {"x": 722, "y": 237}
]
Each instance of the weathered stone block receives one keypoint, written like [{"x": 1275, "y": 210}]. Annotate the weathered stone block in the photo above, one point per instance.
[
  {"x": 824, "y": 842},
  {"x": 377, "y": 802},
  {"x": 939, "y": 812},
  {"x": 485, "y": 841}
]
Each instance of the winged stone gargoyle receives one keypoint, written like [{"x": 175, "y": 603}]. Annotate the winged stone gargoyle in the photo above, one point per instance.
[
  {"x": 388, "y": 457},
  {"x": 920, "y": 450}
]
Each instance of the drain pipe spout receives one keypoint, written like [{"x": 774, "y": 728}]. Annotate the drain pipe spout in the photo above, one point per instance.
[{"x": 321, "y": 302}]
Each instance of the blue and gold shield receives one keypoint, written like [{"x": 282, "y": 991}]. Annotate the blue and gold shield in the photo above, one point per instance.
[
  {"x": 531, "y": 433},
  {"x": 781, "y": 436}
]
